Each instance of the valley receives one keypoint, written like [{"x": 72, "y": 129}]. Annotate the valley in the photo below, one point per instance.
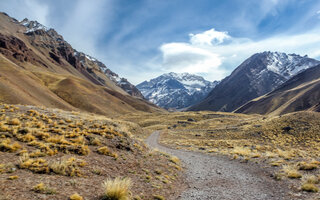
[
  {"x": 285, "y": 147},
  {"x": 72, "y": 128}
]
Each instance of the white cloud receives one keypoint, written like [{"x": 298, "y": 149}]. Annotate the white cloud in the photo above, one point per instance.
[
  {"x": 216, "y": 60},
  {"x": 182, "y": 57},
  {"x": 209, "y": 37}
]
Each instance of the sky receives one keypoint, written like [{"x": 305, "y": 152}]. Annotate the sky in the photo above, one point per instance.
[{"x": 142, "y": 39}]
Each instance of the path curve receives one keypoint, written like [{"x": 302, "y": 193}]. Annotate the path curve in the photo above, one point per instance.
[{"x": 214, "y": 177}]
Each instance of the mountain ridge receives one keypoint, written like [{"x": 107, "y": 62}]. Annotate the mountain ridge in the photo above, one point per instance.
[
  {"x": 34, "y": 27},
  {"x": 256, "y": 76}
]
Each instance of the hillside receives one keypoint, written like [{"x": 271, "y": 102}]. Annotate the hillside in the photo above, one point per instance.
[
  {"x": 39, "y": 67},
  {"x": 173, "y": 90},
  {"x": 301, "y": 92},
  {"x": 256, "y": 76},
  {"x": 54, "y": 154}
]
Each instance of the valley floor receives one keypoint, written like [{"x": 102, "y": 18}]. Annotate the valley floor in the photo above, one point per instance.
[
  {"x": 53, "y": 154},
  {"x": 285, "y": 147},
  {"x": 216, "y": 177}
]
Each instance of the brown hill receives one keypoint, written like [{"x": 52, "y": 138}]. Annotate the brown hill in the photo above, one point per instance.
[
  {"x": 302, "y": 92},
  {"x": 39, "y": 67}
]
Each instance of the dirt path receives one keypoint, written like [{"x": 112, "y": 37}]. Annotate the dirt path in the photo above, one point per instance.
[{"x": 213, "y": 177}]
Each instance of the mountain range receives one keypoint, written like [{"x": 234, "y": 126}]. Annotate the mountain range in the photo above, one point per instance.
[
  {"x": 301, "y": 92},
  {"x": 39, "y": 67},
  {"x": 256, "y": 76},
  {"x": 174, "y": 90}
]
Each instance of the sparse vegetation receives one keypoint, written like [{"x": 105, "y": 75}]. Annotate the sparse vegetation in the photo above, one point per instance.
[
  {"x": 117, "y": 189},
  {"x": 289, "y": 144},
  {"x": 46, "y": 144},
  {"x": 41, "y": 188}
]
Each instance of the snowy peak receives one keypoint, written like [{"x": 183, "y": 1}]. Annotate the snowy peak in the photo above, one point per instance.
[
  {"x": 190, "y": 82},
  {"x": 287, "y": 65},
  {"x": 176, "y": 90},
  {"x": 33, "y": 26}
]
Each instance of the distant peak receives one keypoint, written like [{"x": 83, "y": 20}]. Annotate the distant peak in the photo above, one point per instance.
[
  {"x": 33, "y": 25},
  {"x": 174, "y": 74}
]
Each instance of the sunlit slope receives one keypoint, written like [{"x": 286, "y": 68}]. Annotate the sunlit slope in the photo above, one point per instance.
[{"x": 302, "y": 92}]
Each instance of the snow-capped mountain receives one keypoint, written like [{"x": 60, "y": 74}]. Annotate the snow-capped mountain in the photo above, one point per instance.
[
  {"x": 78, "y": 59},
  {"x": 256, "y": 76},
  {"x": 173, "y": 90},
  {"x": 33, "y": 25}
]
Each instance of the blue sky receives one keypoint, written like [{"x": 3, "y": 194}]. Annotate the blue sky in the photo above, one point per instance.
[{"x": 141, "y": 39}]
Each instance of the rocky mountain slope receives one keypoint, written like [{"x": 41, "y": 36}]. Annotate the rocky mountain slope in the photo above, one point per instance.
[
  {"x": 174, "y": 90},
  {"x": 85, "y": 60},
  {"x": 256, "y": 76},
  {"x": 301, "y": 92},
  {"x": 39, "y": 67}
]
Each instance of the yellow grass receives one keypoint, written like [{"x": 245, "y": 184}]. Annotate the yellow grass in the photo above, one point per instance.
[
  {"x": 117, "y": 189},
  {"x": 105, "y": 151},
  {"x": 13, "y": 122},
  {"x": 76, "y": 196},
  {"x": 67, "y": 167},
  {"x": 309, "y": 187},
  {"x": 175, "y": 160},
  {"x": 291, "y": 171}
]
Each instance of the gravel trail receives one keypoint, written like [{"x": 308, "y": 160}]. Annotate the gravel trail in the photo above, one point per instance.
[{"x": 213, "y": 177}]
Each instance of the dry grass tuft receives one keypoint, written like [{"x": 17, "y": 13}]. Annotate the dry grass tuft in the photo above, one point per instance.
[
  {"x": 7, "y": 145},
  {"x": 307, "y": 166},
  {"x": 242, "y": 151},
  {"x": 175, "y": 160},
  {"x": 309, "y": 187},
  {"x": 13, "y": 122},
  {"x": 67, "y": 167},
  {"x": 291, "y": 171},
  {"x": 38, "y": 165},
  {"x": 13, "y": 177},
  {"x": 76, "y": 196},
  {"x": 117, "y": 189},
  {"x": 158, "y": 197},
  {"x": 41, "y": 188},
  {"x": 105, "y": 151}
]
